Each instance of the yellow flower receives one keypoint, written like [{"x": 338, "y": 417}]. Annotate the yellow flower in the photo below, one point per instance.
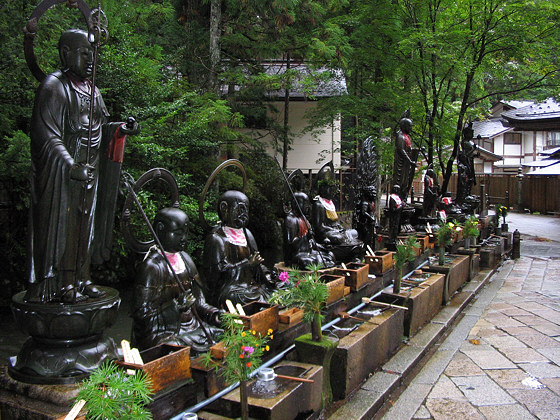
[
  {"x": 243, "y": 334},
  {"x": 253, "y": 332},
  {"x": 271, "y": 337},
  {"x": 269, "y": 331},
  {"x": 267, "y": 348}
]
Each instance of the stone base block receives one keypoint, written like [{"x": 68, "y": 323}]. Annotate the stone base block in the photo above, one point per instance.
[
  {"x": 279, "y": 399},
  {"x": 365, "y": 349},
  {"x": 423, "y": 302},
  {"x": 456, "y": 274}
]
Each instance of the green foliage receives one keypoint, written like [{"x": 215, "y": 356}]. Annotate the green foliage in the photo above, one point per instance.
[
  {"x": 501, "y": 211},
  {"x": 244, "y": 350},
  {"x": 470, "y": 230},
  {"x": 110, "y": 392},
  {"x": 304, "y": 290},
  {"x": 406, "y": 251},
  {"x": 445, "y": 234}
]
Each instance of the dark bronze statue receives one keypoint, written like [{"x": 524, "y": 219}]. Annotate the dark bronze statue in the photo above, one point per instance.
[
  {"x": 343, "y": 243},
  {"x": 162, "y": 312},
  {"x": 364, "y": 217},
  {"x": 76, "y": 153},
  {"x": 431, "y": 192},
  {"x": 233, "y": 266},
  {"x": 396, "y": 205},
  {"x": 404, "y": 164},
  {"x": 465, "y": 166},
  {"x": 300, "y": 248}
]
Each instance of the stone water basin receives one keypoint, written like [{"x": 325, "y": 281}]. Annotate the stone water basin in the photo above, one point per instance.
[{"x": 364, "y": 346}]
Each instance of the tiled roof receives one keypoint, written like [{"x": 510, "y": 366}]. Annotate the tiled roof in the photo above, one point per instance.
[
  {"x": 548, "y": 109},
  {"x": 549, "y": 170},
  {"x": 489, "y": 129}
]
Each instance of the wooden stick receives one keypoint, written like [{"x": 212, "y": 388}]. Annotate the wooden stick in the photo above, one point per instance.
[
  {"x": 345, "y": 315},
  {"x": 371, "y": 251},
  {"x": 294, "y": 378},
  {"x": 373, "y": 302}
]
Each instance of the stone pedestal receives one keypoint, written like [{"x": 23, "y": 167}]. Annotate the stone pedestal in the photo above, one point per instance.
[
  {"x": 23, "y": 401},
  {"x": 456, "y": 274},
  {"x": 364, "y": 349},
  {"x": 67, "y": 340},
  {"x": 318, "y": 353},
  {"x": 422, "y": 301},
  {"x": 279, "y": 399},
  {"x": 474, "y": 261}
]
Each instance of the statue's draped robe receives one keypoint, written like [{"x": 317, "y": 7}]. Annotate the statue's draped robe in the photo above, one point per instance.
[
  {"x": 157, "y": 315},
  {"x": 298, "y": 248},
  {"x": 343, "y": 243},
  {"x": 67, "y": 220},
  {"x": 403, "y": 170},
  {"x": 228, "y": 274}
]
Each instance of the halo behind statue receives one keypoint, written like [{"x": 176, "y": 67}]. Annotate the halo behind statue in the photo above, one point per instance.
[
  {"x": 326, "y": 173},
  {"x": 95, "y": 20},
  {"x": 129, "y": 204},
  {"x": 222, "y": 166}
]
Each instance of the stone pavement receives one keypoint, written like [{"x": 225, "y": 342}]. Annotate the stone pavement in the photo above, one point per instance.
[{"x": 502, "y": 360}]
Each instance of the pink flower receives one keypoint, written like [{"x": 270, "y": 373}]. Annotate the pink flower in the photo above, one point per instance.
[
  {"x": 284, "y": 277},
  {"x": 249, "y": 350}
]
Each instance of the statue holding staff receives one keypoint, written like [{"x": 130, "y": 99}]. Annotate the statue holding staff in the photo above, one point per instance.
[{"x": 76, "y": 161}]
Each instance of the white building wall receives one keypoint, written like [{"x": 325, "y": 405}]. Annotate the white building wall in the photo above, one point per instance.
[{"x": 308, "y": 150}]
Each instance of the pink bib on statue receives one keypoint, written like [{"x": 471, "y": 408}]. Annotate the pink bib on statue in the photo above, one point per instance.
[
  {"x": 176, "y": 261},
  {"x": 235, "y": 236}
]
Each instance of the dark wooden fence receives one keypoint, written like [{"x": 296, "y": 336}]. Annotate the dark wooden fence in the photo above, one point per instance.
[{"x": 538, "y": 193}]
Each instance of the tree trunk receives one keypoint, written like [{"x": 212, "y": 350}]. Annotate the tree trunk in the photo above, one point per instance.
[
  {"x": 243, "y": 400},
  {"x": 285, "y": 136},
  {"x": 215, "y": 55},
  {"x": 397, "y": 284},
  {"x": 441, "y": 256},
  {"x": 316, "y": 333}
]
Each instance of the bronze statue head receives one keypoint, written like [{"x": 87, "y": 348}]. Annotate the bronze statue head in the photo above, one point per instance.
[
  {"x": 303, "y": 202},
  {"x": 171, "y": 227},
  {"x": 406, "y": 125},
  {"x": 76, "y": 53},
  {"x": 233, "y": 209}
]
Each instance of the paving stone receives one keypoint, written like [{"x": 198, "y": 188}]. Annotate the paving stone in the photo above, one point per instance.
[
  {"x": 523, "y": 355},
  {"x": 409, "y": 402},
  {"x": 509, "y": 411},
  {"x": 462, "y": 365},
  {"x": 538, "y": 340},
  {"x": 553, "y": 384},
  {"x": 518, "y": 330},
  {"x": 443, "y": 409},
  {"x": 381, "y": 382},
  {"x": 488, "y": 332},
  {"x": 541, "y": 370},
  {"x": 551, "y": 331},
  {"x": 481, "y": 390},
  {"x": 550, "y": 314},
  {"x": 470, "y": 345},
  {"x": 355, "y": 408},
  {"x": 434, "y": 367},
  {"x": 501, "y": 320},
  {"x": 532, "y": 320},
  {"x": 403, "y": 361},
  {"x": 504, "y": 342},
  {"x": 542, "y": 403},
  {"x": 531, "y": 306},
  {"x": 445, "y": 388},
  {"x": 489, "y": 359},
  {"x": 514, "y": 311},
  {"x": 422, "y": 414},
  {"x": 551, "y": 354}
]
